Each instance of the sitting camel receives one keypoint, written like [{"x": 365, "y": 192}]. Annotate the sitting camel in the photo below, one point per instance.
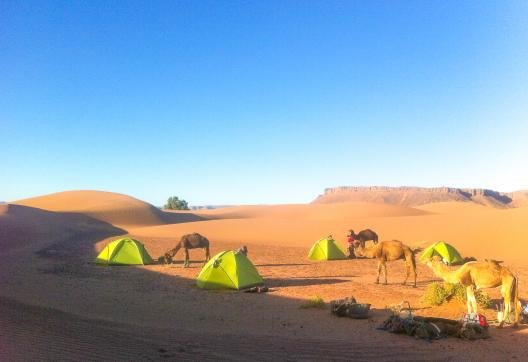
[
  {"x": 386, "y": 251},
  {"x": 189, "y": 241},
  {"x": 475, "y": 275}
]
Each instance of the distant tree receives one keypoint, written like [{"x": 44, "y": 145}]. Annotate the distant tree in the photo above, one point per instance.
[{"x": 174, "y": 203}]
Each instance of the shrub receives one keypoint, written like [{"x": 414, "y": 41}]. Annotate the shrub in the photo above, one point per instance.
[
  {"x": 456, "y": 291},
  {"x": 314, "y": 302},
  {"x": 438, "y": 293},
  {"x": 435, "y": 294},
  {"x": 174, "y": 203},
  {"x": 483, "y": 299}
]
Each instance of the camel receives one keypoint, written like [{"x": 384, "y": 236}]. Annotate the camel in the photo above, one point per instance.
[
  {"x": 189, "y": 241},
  {"x": 386, "y": 251},
  {"x": 363, "y": 236},
  {"x": 475, "y": 275}
]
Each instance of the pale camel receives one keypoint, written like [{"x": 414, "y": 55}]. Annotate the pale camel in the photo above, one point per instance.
[
  {"x": 481, "y": 274},
  {"x": 386, "y": 251}
]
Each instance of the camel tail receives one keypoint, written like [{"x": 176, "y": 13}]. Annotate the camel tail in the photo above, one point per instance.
[{"x": 417, "y": 250}]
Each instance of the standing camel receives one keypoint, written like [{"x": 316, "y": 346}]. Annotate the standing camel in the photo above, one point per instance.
[
  {"x": 386, "y": 251},
  {"x": 189, "y": 241},
  {"x": 481, "y": 274},
  {"x": 363, "y": 236}
]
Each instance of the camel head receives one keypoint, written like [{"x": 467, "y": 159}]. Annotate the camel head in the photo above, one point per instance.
[
  {"x": 351, "y": 233},
  {"x": 167, "y": 258},
  {"x": 433, "y": 261}
]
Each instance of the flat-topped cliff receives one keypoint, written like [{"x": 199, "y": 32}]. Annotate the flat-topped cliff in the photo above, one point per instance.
[{"x": 414, "y": 196}]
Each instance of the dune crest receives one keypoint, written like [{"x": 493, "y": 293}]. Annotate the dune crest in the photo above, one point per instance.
[{"x": 117, "y": 209}]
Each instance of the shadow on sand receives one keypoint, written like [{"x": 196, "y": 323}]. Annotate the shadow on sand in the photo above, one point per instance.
[{"x": 300, "y": 282}]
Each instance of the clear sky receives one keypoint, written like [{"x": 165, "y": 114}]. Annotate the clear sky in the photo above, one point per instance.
[{"x": 228, "y": 102}]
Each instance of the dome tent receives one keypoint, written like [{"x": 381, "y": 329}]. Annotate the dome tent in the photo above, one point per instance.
[
  {"x": 326, "y": 249},
  {"x": 448, "y": 253},
  {"x": 229, "y": 270},
  {"x": 125, "y": 251}
]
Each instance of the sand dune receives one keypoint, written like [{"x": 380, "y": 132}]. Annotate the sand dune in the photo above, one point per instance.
[
  {"x": 312, "y": 211},
  {"x": 453, "y": 207},
  {"x": 117, "y": 209},
  {"x": 21, "y": 226}
]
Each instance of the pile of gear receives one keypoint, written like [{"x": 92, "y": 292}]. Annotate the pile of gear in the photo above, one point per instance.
[
  {"x": 350, "y": 308},
  {"x": 471, "y": 326}
]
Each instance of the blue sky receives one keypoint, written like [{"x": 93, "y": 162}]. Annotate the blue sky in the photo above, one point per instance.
[{"x": 261, "y": 102}]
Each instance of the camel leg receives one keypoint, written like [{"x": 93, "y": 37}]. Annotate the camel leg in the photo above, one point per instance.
[
  {"x": 186, "y": 263},
  {"x": 468, "y": 298},
  {"x": 207, "y": 254},
  {"x": 471, "y": 301},
  {"x": 407, "y": 272},
  {"x": 506, "y": 291},
  {"x": 474, "y": 303},
  {"x": 379, "y": 272},
  {"x": 516, "y": 302},
  {"x": 385, "y": 270}
]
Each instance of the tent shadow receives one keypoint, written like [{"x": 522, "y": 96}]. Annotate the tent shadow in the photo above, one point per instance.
[
  {"x": 299, "y": 282},
  {"x": 285, "y": 264},
  {"x": 334, "y": 276}
]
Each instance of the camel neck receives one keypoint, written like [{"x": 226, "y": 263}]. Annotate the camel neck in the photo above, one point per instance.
[{"x": 443, "y": 272}]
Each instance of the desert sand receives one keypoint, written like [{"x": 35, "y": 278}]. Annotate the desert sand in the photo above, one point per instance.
[{"x": 56, "y": 304}]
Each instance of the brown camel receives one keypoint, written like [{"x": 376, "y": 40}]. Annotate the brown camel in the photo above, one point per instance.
[
  {"x": 189, "y": 241},
  {"x": 386, "y": 251},
  {"x": 475, "y": 275},
  {"x": 363, "y": 236}
]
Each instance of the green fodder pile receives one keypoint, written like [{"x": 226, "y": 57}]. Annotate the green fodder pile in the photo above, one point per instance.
[
  {"x": 438, "y": 293},
  {"x": 314, "y": 302}
]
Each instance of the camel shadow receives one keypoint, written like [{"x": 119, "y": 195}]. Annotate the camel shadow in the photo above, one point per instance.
[
  {"x": 286, "y": 264},
  {"x": 193, "y": 264},
  {"x": 335, "y": 276},
  {"x": 300, "y": 282}
]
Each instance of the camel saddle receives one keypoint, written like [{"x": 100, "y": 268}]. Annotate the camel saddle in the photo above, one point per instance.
[{"x": 349, "y": 307}]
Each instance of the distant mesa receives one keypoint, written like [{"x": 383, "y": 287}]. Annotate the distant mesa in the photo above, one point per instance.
[{"x": 415, "y": 196}]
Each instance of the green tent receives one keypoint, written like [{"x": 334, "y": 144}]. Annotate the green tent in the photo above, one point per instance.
[
  {"x": 124, "y": 251},
  {"x": 229, "y": 270},
  {"x": 326, "y": 249},
  {"x": 445, "y": 250}
]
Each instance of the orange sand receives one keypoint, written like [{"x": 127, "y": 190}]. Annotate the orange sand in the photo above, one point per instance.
[{"x": 50, "y": 290}]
